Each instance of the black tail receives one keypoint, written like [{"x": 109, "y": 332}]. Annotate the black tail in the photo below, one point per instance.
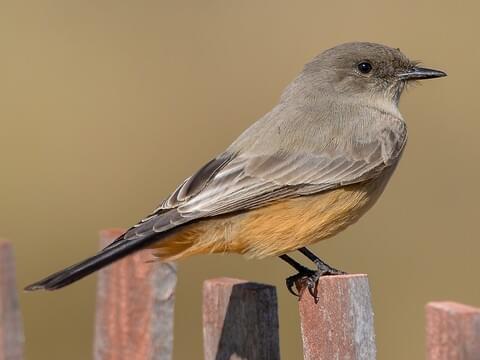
[{"x": 117, "y": 250}]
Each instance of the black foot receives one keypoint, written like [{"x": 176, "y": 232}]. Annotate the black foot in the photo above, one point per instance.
[
  {"x": 326, "y": 269},
  {"x": 321, "y": 265},
  {"x": 306, "y": 278}
]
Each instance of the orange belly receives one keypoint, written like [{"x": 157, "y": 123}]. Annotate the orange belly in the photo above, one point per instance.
[{"x": 275, "y": 229}]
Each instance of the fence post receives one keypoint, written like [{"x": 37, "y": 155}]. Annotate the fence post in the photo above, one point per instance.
[
  {"x": 340, "y": 324},
  {"x": 453, "y": 331},
  {"x": 240, "y": 320},
  {"x": 11, "y": 331},
  {"x": 135, "y": 300}
]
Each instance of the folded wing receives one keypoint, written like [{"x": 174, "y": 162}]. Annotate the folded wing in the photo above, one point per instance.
[{"x": 238, "y": 182}]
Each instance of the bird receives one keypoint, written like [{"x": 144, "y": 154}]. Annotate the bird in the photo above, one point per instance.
[{"x": 306, "y": 170}]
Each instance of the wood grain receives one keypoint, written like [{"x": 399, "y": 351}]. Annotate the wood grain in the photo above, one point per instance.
[
  {"x": 340, "y": 324},
  {"x": 11, "y": 330},
  {"x": 135, "y": 302},
  {"x": 240, "y": 320},
  {"x": 453, "y": 331}
]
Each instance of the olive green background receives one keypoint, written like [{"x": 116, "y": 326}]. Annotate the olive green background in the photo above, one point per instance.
[{"x": 106, "y": 106}]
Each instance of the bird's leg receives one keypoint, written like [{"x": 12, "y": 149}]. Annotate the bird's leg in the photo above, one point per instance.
[
  {"x": 296, "y": 265},
  {"x": 305, "y": 278},
  {"x": 322, "y": 267}
]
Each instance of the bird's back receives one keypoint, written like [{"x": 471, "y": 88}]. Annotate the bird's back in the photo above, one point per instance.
[{"x": 293, "y": 222}]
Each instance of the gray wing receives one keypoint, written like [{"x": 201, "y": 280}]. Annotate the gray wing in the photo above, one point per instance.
[{"x": 237, "y": 182}]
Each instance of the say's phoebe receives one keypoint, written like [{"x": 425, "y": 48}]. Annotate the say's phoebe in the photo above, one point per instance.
[{"x": 303, "y": 172}]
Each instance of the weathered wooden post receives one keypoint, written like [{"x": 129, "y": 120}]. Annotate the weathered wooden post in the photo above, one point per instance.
[
  {"x": 135, "y": 302},
  {"x": 11, "y": 330},
  {"x": 340, "y": 324},
  {"x": 453, "y": 331},
  {"x": 240, "y": 320}
]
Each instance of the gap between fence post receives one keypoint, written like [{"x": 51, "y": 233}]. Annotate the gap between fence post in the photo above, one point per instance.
[
  {"x": 240, "y": 320},
  {"x": 453, "y": 331},
  {"x": 134, "y": 311},
  {"x": 11, "y": 329},
  {"x": 340, "y": 324}
]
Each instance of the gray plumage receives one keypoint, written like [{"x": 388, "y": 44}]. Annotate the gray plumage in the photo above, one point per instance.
[
  {"x": 336, "y": 124},
  {"x": 321, "y": 135}
]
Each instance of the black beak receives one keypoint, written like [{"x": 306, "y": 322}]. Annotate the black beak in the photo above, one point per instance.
[{"x": 418, "y": 73}]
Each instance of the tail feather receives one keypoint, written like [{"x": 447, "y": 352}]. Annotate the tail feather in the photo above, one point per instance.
[{"x": 120, "y": 249}]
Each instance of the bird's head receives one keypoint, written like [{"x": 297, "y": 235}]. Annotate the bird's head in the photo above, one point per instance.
[{"x": 361, "y": 69}]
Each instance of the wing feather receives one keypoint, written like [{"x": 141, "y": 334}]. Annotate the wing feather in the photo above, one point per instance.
[{"x": 236, "y": 182}]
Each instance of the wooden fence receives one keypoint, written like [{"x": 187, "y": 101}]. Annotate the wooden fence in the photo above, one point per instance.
[{"x": 134, "y": 317}]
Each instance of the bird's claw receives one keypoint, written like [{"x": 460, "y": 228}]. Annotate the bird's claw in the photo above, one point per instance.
[
  {"x": 304, "y": 280},
  {"x": 307, "y": 279},
  {"x": 325, "y": 269}
]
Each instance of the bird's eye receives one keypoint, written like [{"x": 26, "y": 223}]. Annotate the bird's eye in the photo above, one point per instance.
[{"x": 364, "y": 67}]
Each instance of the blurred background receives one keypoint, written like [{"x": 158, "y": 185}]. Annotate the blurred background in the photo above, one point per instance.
[{"x": 106, "y": 106}]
